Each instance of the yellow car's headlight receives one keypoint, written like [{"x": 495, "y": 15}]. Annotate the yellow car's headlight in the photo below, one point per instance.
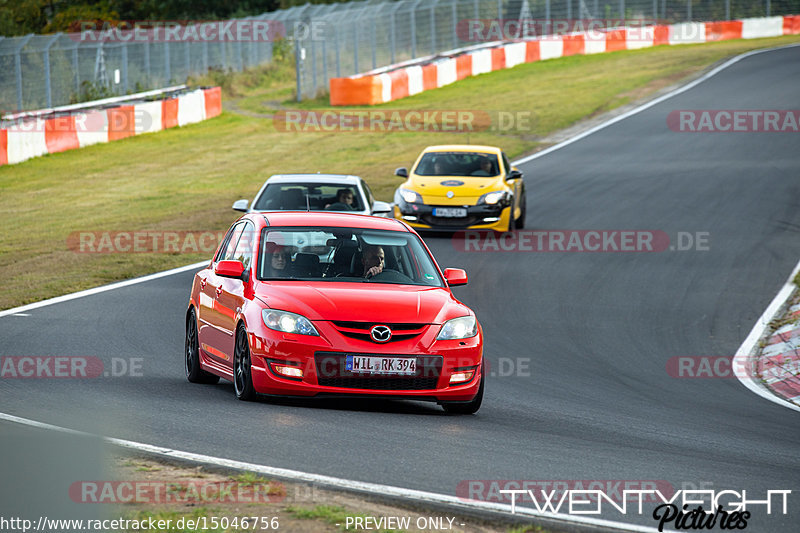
[
  {"x": 494, "y": 198},
  {"x": 409, "y": 196}
]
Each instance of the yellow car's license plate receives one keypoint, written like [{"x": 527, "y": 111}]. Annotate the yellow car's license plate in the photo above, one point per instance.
[{"x": 452, "y": 212}]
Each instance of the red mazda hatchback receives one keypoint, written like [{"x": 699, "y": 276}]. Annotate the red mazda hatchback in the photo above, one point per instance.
[{"x": 315, "y": 304}]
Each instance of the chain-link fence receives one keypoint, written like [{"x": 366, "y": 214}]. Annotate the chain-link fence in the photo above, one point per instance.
[
  {"x": 332, "y": 40},
  {"x": 43, "y": 71},
  {"x": 337, "y": 40}
]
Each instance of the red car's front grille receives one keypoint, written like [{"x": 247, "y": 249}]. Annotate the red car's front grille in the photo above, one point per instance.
[
  {"x": 360, "y": 330},
  {"x": 331, "y": 372}
]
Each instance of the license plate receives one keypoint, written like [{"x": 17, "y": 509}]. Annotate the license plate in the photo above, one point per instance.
[
  {"x": 454, "y": 212},
  {"x": 365, "y": 364}
]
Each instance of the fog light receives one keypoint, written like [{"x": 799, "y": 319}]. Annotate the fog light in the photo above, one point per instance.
[
  {"x": 461, "y": 377},
  {"x": 288, "y": 371},
  {"x": 411, "y": 218},
  {"x": 491, "y": 219}
]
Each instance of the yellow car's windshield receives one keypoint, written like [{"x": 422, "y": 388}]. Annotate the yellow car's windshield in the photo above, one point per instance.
[{"x": 467, "y": 164}]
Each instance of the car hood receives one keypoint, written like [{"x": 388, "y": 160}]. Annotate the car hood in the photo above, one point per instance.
[
  {"x": 362, "y": 302},
  {"x": 460, "y": 185}
]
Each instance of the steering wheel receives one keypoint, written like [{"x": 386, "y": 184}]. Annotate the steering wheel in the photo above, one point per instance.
[{"x": 390, "y": 274}]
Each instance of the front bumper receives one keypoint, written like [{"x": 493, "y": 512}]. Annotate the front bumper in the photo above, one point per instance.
[
  {"x": 420, "y": 216},
  {"x": 321, "y": 360}
]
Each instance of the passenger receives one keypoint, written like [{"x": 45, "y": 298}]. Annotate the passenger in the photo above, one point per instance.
[
  {"x": 277, "y": 262},
  {"x": 372, "y": 261}
]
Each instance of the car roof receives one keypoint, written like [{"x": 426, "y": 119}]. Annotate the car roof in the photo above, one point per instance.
[
  {"x": 322, "y": 219},
  {"x": 315, "y": 178},
  {"x": 463, "y": 148}
]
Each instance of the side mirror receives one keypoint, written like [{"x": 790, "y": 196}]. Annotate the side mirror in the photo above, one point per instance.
[
  {"x": 240, "y": 205},
  {"x": 229, "y": 269},
  {"x": 455, "y": 276},
  {"x": 381, "y": 208},
  {"x": 402, "y": 172},
  {"x": 513, "y": 175}
]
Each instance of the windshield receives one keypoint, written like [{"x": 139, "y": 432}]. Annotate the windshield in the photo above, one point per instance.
[
  {"x": 471, "y": 164},
  {"x": 346, "y": 254},
  {"x": 309, "y": 196}
]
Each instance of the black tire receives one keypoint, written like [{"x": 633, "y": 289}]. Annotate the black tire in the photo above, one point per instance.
[
  {"x": 510, "y": 227},
  {"x": 194, "y": 373},
  {"x": 520, "y": 222},
  {"x": 242, "y": 373},
  {"x": 467, "y": 408}
]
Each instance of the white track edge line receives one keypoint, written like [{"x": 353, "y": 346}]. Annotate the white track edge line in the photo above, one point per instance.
[
  {"x": 651, "y": 103},
  {"x": 359, "y": 486},
  {"x": 742, "y": 357},
  {"x": 102, "y": 288}
]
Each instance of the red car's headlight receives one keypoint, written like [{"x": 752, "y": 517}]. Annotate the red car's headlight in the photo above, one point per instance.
[
  {"x": 288, "y": 322},
  {"x": 462, "y": 327}
]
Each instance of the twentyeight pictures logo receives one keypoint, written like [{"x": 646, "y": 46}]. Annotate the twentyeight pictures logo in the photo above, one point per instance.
[
  {"x": 683, "y": 509},
  {"x": 679, "y": 509}
]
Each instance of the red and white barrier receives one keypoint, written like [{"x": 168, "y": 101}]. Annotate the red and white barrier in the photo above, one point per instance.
[
  {"x": 403, "y": 80},
  {"x": 38, "y": 136}
]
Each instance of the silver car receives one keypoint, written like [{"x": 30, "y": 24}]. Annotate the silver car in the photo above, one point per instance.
[{"x": 316, "y": 192}]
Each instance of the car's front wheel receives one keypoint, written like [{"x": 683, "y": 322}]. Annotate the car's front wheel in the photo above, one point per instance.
[
  {"x": 467, "y": 408},
  {"x": 510, "y": 227},
  {"x": 520, "y": 223},
  {"x": 242, "y": 373},
  {"x": 194, "y": 373}
]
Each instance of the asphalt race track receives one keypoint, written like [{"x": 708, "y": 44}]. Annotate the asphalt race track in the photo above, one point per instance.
[{"x": 596, "y": 330}]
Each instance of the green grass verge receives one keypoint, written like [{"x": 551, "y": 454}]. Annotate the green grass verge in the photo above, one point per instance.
[{"x": 187, "y": 178}]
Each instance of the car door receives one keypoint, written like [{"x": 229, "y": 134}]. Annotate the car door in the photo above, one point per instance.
[
  {"x": 231, "y": 292},
  {"x": 211, "y": 316},
  {"x": 517, "y": 186}
]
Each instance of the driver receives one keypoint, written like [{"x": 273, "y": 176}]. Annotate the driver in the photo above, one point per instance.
[
  {"x": 486, "y": 168},
  {"x": 344, "y": 201},
  {"x": 372, "y": 261}
]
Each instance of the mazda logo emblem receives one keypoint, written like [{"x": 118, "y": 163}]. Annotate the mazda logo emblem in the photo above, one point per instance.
[{"x": 380, "y": 333}]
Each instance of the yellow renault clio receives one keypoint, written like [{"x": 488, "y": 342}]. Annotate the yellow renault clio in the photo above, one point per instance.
[{"x": 461, "y": 186}]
